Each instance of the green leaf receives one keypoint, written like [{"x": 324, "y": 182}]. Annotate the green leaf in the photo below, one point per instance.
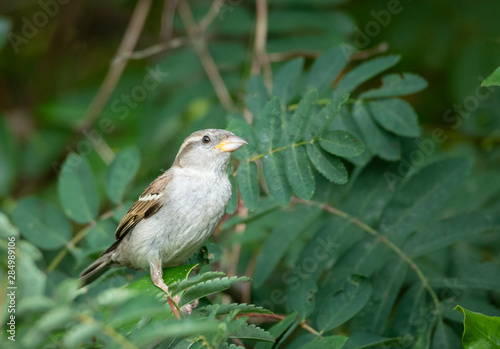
[
  {"x": 299, "y": 173},
  {"x": 208, "y": 287},
  {"x": 396, "y": 85},
  {"x": 416, "y": 200},
  {"x": 5, "y": 29},
  {"x": 443, "y": 233},
  {"x": 411, "y": 303},
  {"x": 268, "y": 126},
  {"x": 154, "y": 332},
  {"x": 101, "y": 234},
  {"x": 277, "y": 330},
  {"x": 248, "y": 184},
  {"x": 223, "y": 309},
  {"x": 386, "y": 286},
  {"x": 77, "y": 190},
  {"x": 300, "y": 119},
  {"x": 347, "y": 123},
  {"x": 252, "y": 332},
  {"x": 423, "y": 194},
  {"x": 395, "y": 115},
  {"x": 366, "y": 71},
  {"x": 445, "y": 338},
  {"x": 301, "y": 296},
  {"x": 267, "y": 129},
  {"x": 329, "y": 166},
  {"x": 363, "y": 340},
  {"x": 181, "y": 285},
  {"x": 77, "y": 335},
  {"x": 8, "y": 155},
  {"x": 321, "y": 120},
  {"x": 233, "y": 202},
  {"x": 280, "y": 239},
  {"x": 343, "y": 305},
  {"x": 341, "y": 143},
  {"x": 285, "y": 80},
  {"x": 330, "y": 342},
  {"x": 378, "y": 141},
  {"x": 121, "y": 172},
  {"x": 42, "y": 223},
  {"x": 493, "y": 79},
  {"x": 242, "y": 129},
  {"x": 273, "y": 171},
  {"x": 326, "y": 68},
  {"x": 256, "y": 94},
  {"x": 480, "y": 331},
  {"x": 54, "y": 319},
  {"x": 7, "y": 229},
  {"x": 472, "y": 275},
  {"x": 170, "y": 275}
]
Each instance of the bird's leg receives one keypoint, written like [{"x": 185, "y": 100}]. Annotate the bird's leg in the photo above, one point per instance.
[{"x": 156, "y": 272}]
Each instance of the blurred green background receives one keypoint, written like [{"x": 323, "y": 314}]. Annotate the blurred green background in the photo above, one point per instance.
[
  {"x": 55, "y": 56},
  {"x": 47, "y": 82}
]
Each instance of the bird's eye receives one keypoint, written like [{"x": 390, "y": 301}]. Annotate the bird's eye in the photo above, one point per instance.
[{"x": 206, "y": 139}]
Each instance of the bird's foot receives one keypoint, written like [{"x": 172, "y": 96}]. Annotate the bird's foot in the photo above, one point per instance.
[{"x": 174, "y": 304}]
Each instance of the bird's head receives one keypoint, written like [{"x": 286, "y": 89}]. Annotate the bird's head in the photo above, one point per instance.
[{"x": 208, "y": 150}]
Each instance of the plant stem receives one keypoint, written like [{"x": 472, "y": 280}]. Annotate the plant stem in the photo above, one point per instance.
[
  {"x": 281, "y": 317},
  {"x": 78, "y": 236},
  {"x": 310, "y": 141},
  {"x": 383, "y": 239},
  {"x": 206, "y": 59}
]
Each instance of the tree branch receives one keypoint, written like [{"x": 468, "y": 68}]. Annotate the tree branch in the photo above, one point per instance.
[
  {"x": 115, "y": 70},
  {"x": 261, "y": 60},
  {"x": 280, "y": 317},
  {"x": 206, "y": 59},
  {"x": 383, "y": 239}
]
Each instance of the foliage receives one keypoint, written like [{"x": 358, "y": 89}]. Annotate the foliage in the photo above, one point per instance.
[
  {"x": 354, "y": 223},
  {"x": 493, "y": 79},
  {"x": 480, "y": 331}
]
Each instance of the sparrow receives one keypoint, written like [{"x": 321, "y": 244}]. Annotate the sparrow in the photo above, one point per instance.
[{"x": 177, "y": 212}]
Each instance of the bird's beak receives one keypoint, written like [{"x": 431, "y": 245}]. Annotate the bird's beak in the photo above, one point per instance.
[{"x": 231, "y": 144}]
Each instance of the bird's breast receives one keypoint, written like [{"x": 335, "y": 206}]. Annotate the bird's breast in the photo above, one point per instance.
[{"x": 192, "y": 211}]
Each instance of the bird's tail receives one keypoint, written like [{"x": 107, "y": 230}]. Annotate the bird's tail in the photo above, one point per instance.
[{"x": 96, "y": 269}]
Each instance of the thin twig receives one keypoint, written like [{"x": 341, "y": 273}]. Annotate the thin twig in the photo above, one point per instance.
[
  {"x": 211, "y": 14},
  {"x": 261, "y": 60},
  {"x": 78, "y": 236},
  {"x": 153, "y": 50},
  {"x": 115, "y": 70},
  {"x": 383, "y": 239},
  {"x": 174, "y": 307},
  {"x": 238, "y": 342},
  {"x": 302, "y": 324},
  {"x": 285, "y": 56},
  {"x": 362, "y": 55},
  {"x": 246, "y": 288},
  {"x": 206, "y": 59},
  {"x": 167, "y": 20}
]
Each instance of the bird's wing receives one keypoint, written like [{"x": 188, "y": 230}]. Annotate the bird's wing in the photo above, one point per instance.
[{"x": 148, "y": 203}]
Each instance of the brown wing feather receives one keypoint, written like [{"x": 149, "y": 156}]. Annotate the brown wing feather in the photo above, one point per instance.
[{"x": 150, "y": 201}]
